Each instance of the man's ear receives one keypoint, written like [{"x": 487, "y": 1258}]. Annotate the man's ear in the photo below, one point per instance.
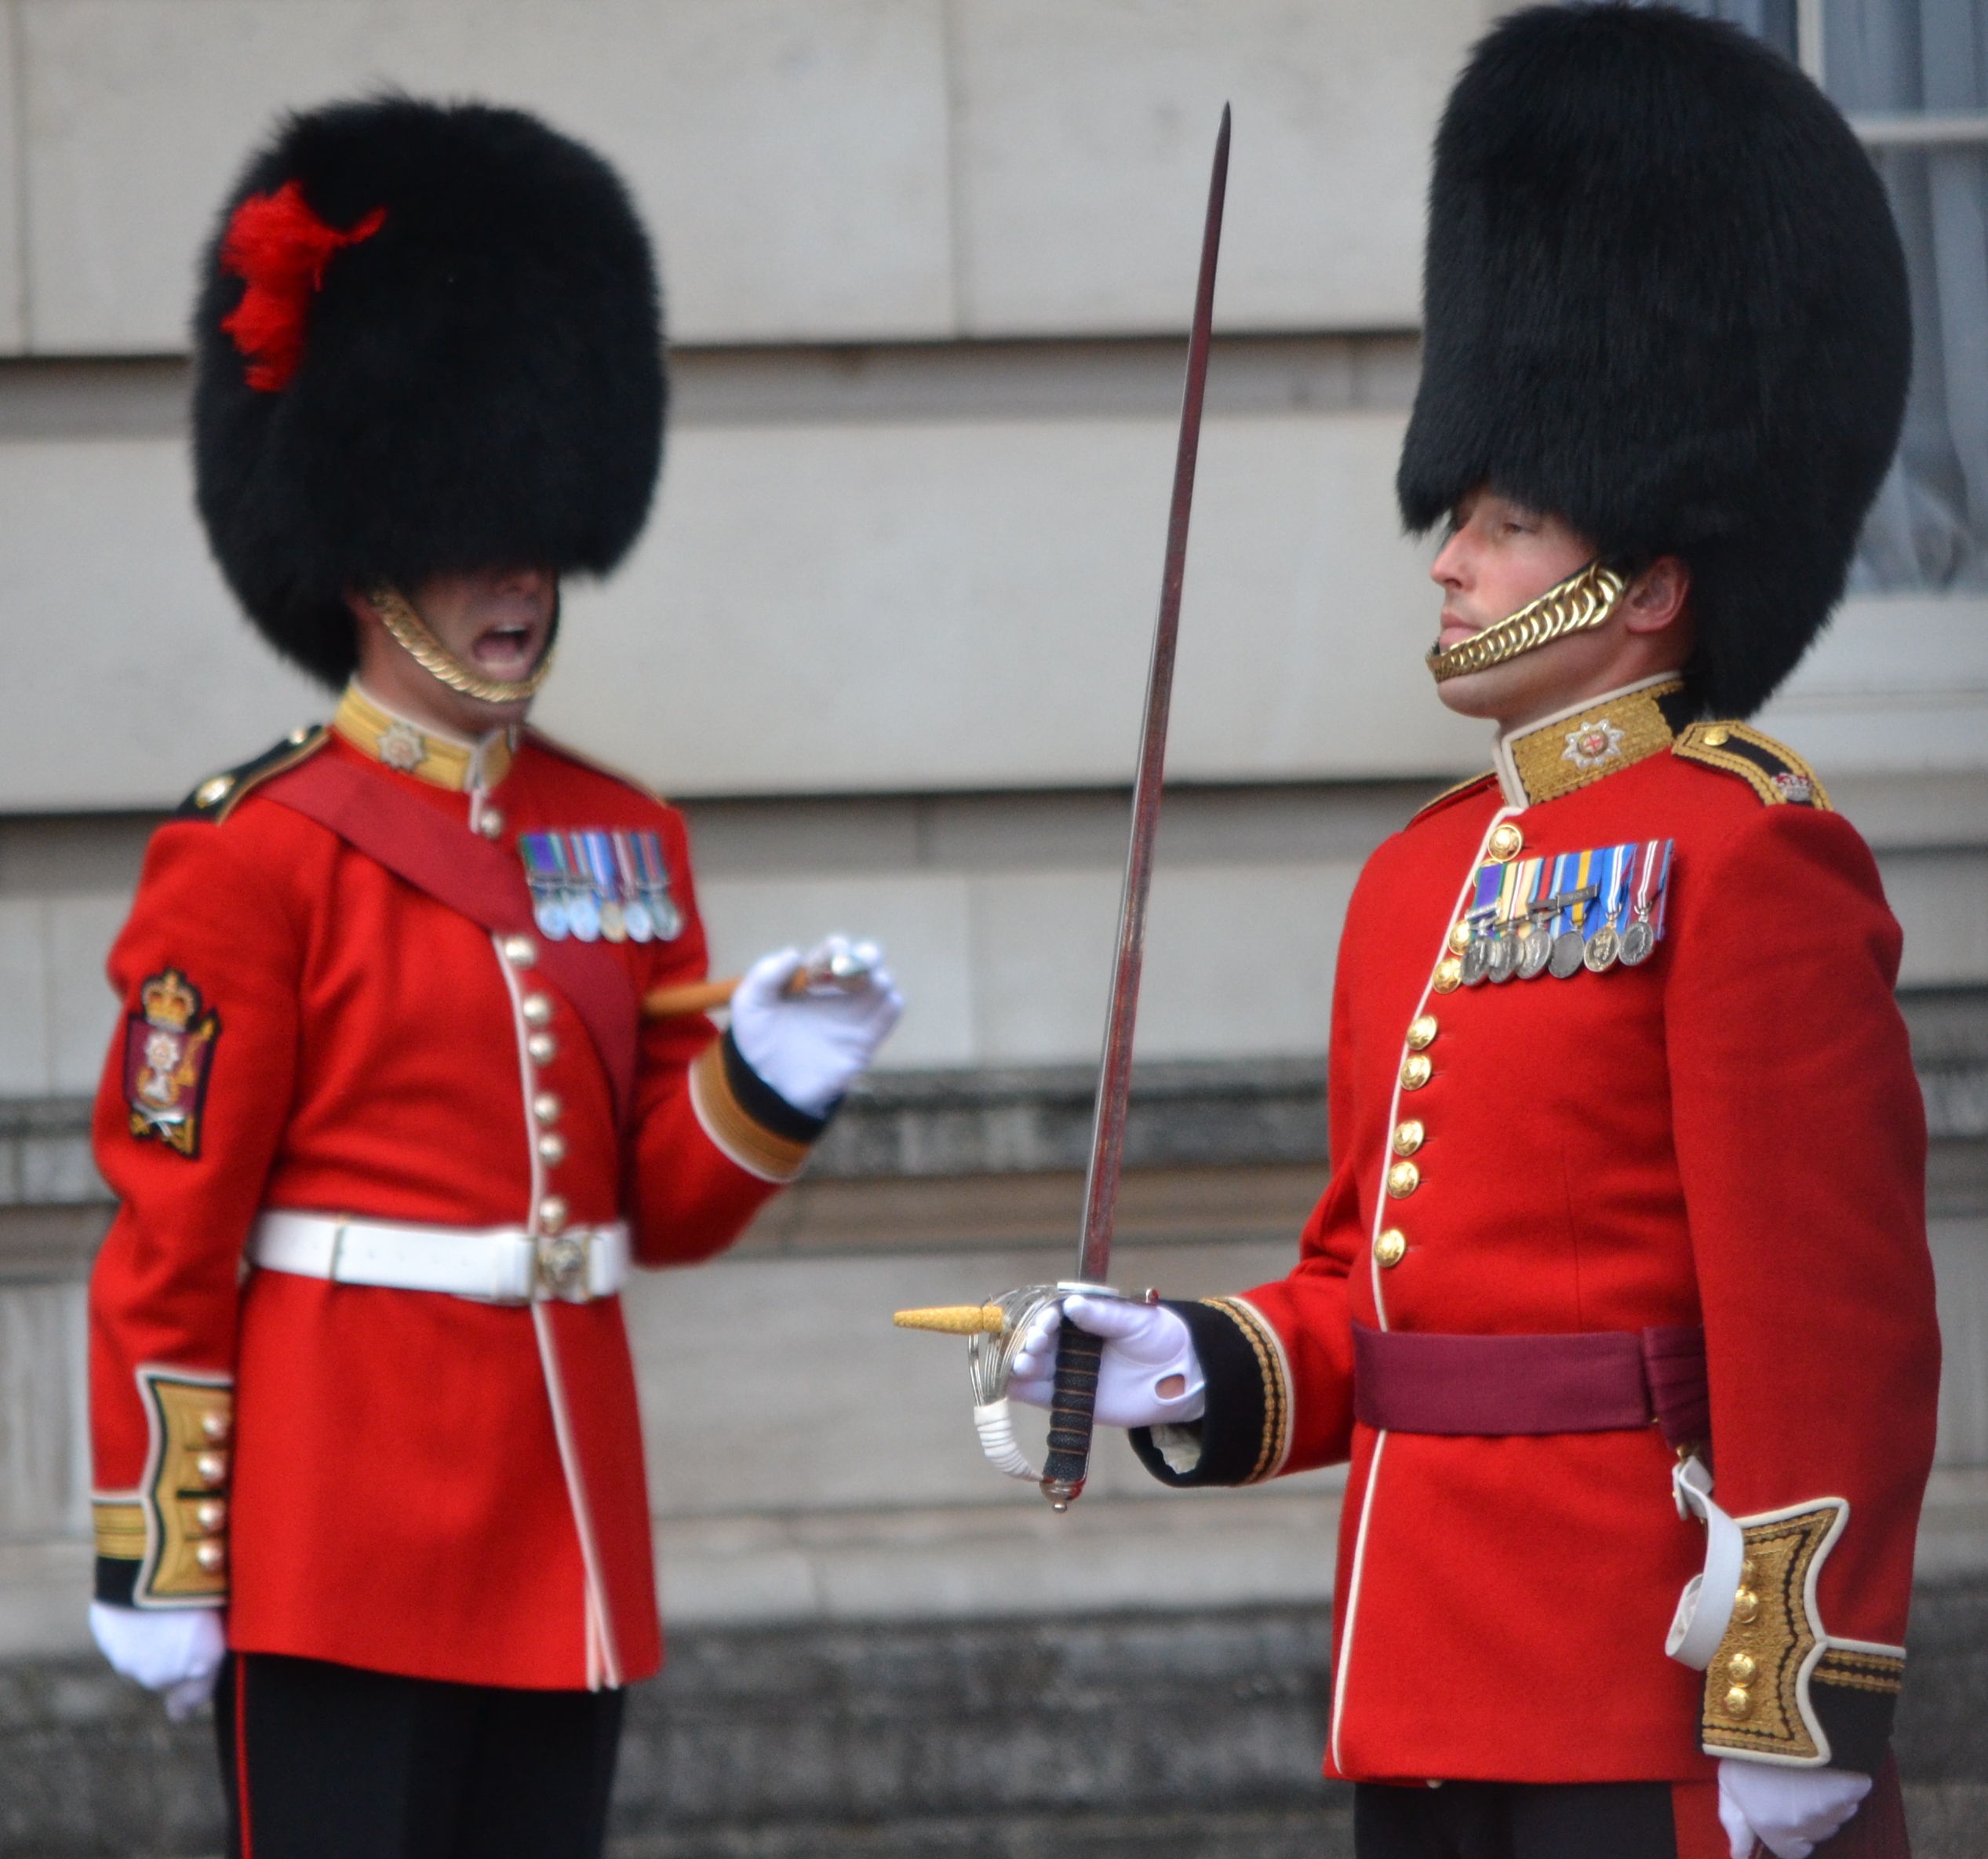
[{"x": 1657, "y": 595}]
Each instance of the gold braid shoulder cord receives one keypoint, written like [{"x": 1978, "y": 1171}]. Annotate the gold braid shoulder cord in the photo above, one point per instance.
[
  {"x": 1584, "y": 600},
  {"x": 398, "y": 615}
]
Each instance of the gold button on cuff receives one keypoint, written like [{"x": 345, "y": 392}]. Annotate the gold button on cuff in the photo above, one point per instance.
[
  {"x": 211, "y": 1469},
  {"x": 1422, "y": 1032},
  {"x": 1738, "y": 1701},
  {"x": 552, "y": 1213},
  {"x": 211, "y": 1555},
  {"x": 214, "y": 1427},
  {"x": 1741, "y": 1668},
  {"x": 551, "y": 1148},
  {"x": 1403, "y": 1178},
  {"x": 489, "y": 822},
  {"x": 1745, "y": 1606},
  {"x": 1459, "y": 937},
  {"x": 1506, "y": 842},
  {"x": 1714, "y": 738},
  {"x": 1449, "y": 975},
  {"x": 1416, "y": 1071},
  {"x": 537, "y": 1009},
  {"x": 210, "y": 1514},
  {"x": 1408, "y": 1137},
  {"x": 541, "y": 1046},
  {"x": 1391, "y": 1247},
  {"x": 546, "y": 1107}
]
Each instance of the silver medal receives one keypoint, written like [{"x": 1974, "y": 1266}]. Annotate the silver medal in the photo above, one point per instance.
[
  {"x": 1476, "y": 961},
  {"x": 1565, "y": 961},
  {"x": 550, "y": 915},
  {"x": 1504, "y": 956},
  {"x": 635, "y": 915},
  {"x": 1639, "y": 943},
  {"x": 583, "y": 916},
  {"x": 1603, "y": 946},
  {"x": 1535, "y": 949}
]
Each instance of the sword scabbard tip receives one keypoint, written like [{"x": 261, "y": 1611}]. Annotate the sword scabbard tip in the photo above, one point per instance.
[{"x": 955, "y": 1320}]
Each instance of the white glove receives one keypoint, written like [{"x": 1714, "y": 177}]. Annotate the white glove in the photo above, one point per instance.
[
  {"x": 1149, "y": 1375},
  {"x": 175, "y": 1650},
  {"x": 812, "y": 1046},
  {"x": 1789, "y": 1811}
]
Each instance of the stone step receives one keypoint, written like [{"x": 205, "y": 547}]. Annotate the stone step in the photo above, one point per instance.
[{"x": 1131, "y": 1737}]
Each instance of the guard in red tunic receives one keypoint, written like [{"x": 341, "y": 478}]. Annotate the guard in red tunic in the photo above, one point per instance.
[
  {"x": 1618, "y": 1301},
  {"x": 387, "y": 1123}
]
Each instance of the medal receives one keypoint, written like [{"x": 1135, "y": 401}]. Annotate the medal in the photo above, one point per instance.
[
  {"x": 1571, "y": 893},
  {"x": 1564, "y": 963},
  {"x": 1535, "y": 949},
  {"x": 1652, "y": 886},
  {"x": 597, "y": 848},
  {"x": 1638, "y": 941},
  {"x": 545, "y": 873},
  {"x": 1476, "y": 961},
  {"x": 664, "y": 917},
  {"x": 1603, "y": 947},
  {"x": 635, "y": 914},
  {"x": 1503, "y": 955},
  {"x": 1606, "y": 944}
]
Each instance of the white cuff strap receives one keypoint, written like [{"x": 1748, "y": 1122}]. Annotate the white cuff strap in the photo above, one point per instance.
[
  {"x": 1705, "y": 1609},
  {"x": 499, "y": 1264}
]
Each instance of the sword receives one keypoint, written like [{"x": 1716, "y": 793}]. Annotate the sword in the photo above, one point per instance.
[{"x": 1078, "y": 1351}]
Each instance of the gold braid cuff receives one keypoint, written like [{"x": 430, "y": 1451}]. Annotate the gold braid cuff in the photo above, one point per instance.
[
  {"x": 1585, "y": 599},
  {"x": 398, "y": 615}
]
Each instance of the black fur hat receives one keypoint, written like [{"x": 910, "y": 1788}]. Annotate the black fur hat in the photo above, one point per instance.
[
  {"x": 428, "y": 340},
  {"x": 1664, "y": 300}
]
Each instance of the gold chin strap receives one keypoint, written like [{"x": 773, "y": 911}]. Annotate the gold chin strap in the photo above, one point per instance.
[
  {"x": 398, "y": 615},
  {"x": 1585, "y": 599}
]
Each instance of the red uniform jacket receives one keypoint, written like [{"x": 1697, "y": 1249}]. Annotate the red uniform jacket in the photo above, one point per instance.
[
  {"x": 410, "y": 1480},
  {"x": 1728, "y": 1133}
]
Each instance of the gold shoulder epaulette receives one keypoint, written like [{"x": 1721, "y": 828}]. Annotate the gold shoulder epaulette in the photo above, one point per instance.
[
  {"x": 552, "y": 746},
  {"x": 1771, "y": 769},
  {"x": 1455, "y": 793},
  {"x": 216, "y": 797}
]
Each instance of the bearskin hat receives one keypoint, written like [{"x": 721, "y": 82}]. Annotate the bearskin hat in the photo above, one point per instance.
[
  {"x": 428, "y": 340},
  {"x": 1664, "y": 300}
]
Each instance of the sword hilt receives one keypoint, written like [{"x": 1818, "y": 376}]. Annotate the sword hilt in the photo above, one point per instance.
[{"x": 1078, "y": 1353}]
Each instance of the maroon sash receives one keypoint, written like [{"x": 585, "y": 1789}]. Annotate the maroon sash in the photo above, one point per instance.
[{"x": 476, "y": 879}]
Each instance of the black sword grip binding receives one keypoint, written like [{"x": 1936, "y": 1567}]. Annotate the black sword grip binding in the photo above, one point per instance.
[{"x": 1078, "y": 1353}]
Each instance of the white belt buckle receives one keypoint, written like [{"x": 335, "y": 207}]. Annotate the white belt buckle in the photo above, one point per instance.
[{"x": 564, "y": 1267}]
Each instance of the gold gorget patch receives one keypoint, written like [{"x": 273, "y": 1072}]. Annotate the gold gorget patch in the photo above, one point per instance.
[{"x": 1587, "y": 743}]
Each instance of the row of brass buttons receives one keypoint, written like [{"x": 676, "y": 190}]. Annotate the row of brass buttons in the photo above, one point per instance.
[{"x": 522, "y": 952}]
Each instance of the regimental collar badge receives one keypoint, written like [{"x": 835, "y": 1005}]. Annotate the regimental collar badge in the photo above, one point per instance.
[
  {"x": 169, "y": 1047},
  {"x": 599, "y": 882},
  {"x": 1589, "y": 745},
  {"x": 1590, "y": 741},
  {"x": 402, "y": 746},
  {"x": 429, "y": 754}
]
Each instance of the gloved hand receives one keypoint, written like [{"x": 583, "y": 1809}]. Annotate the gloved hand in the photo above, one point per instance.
[
  {"x": 812, "y": 1046},
  {"x": 176, "y": 1650},
  {"x": 1149, "y": 1375},
  {"x": 1789, "y": 1811}
]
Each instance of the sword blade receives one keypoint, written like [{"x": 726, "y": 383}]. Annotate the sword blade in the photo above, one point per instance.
[{"x": 1115, "y": 1072}]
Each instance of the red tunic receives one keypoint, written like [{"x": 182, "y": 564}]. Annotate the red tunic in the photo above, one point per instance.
[
  {"x": 1730, "y": 1133},
  {"x": 419, "y": 1483}
]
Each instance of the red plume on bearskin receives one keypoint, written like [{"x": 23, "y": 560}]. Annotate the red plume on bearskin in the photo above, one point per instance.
[{"x": 280, "y": 248}]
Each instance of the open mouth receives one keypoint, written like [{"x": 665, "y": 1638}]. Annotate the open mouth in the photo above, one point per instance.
[{"x": 507, "y": 652}]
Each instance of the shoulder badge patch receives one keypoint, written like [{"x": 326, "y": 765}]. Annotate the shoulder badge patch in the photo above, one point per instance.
[
  {"x": 1773, "y": 771},
  {"x": 216, "y": 797},
  {"x": 1455, "y": 793},
  {"x": 168, "y": 1046}
]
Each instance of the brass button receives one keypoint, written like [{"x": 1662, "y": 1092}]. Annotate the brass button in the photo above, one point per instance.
[
  {"x": 1506, "y": 841},
  {"x": 1716, "y": 738},
  {"x": 489, "y": 822},
  {"x": 520, "y": 952},
  {"x": 541, "y": 1046},
  {"x": 1408, "y": 1137},
  {"x": 1449, "y": 975},
  {"x": 211, "y": 1555},
  {"x": 298, "y": 736},
  {"x": 546, "y": 1107},
  {"x": 1459, "y": 937},
  {"x": 551, "y": 1212},
  {"x": 1422, "y": 1032},
  {"x": 1390, "y": 1248},
  {"x": 1745, "y": 1606},
  {"x": 210, "y": 1514},
  {"x": 212, "y": 793},
  {"x": 214, "y": 1427},
  {"x": 211, "y": 1469},
  {"x": 1403, "y": 1178},
  {"x": 1738, "y": 1701},
  {"x": 1740, "y": 1668},
  {"x": 1415, "y": 1071},
  {"x": 537, "y": 1009},
  {"x": 551, "y": 1148}
]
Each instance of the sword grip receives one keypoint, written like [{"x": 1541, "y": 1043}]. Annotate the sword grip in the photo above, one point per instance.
[{"x": 1078, "y": 1353}]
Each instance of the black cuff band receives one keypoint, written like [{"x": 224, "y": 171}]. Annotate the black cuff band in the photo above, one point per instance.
[
  {"x": 1857, "y": 1722},
  {"x": 1232, "y": 1426},
  {"x": 117, "y": 1581},
  {"x": 764, "y": 1105}
]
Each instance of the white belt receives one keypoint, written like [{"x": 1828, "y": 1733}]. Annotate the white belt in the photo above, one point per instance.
[{"x": 500, "y": 1265}]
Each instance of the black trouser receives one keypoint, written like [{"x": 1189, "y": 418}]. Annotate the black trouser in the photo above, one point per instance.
[
  {"x": 327, "y": 1761},
  {"x": 1515, "y": 1820}
]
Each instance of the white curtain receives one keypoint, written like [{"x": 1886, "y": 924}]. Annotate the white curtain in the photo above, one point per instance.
[{"x": 1929, "y": 528}]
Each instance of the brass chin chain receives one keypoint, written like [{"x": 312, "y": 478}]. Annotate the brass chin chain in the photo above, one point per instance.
[
  {"x": 1585, "y": 599},
  {"x": 398, "y": 615}
]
